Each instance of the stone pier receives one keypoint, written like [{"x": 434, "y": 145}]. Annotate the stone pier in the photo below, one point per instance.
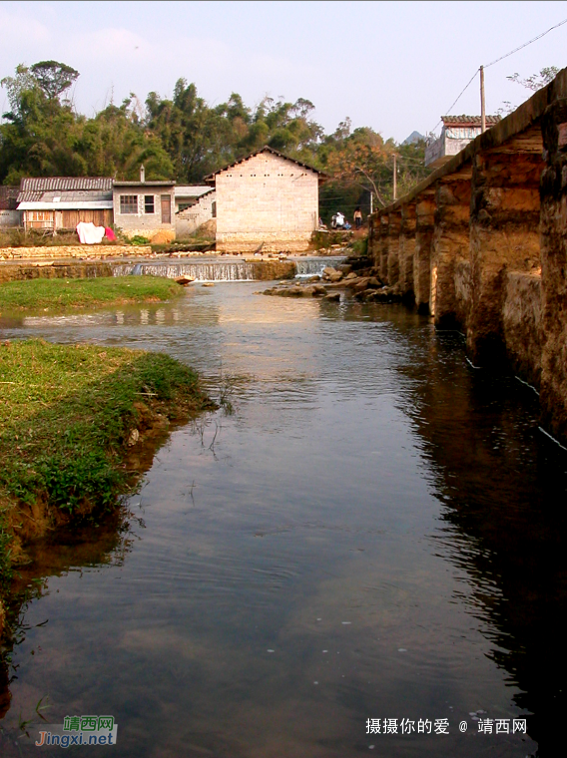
[
  {"x": 407, "y": 250},
  {"x": 481, "y": 244},
  {"x": 450, "y": 247}
]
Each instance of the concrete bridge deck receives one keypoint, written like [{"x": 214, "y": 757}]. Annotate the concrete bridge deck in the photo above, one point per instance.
[{"x": 481, "y": 244}]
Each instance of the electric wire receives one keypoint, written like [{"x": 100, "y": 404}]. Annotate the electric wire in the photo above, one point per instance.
[
  {"x": 497, "y": 60},
  {"x": 521, "y": 47}
]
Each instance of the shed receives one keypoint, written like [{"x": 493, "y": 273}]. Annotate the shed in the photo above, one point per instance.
[
  {"x": 61, "y": 202},
  {"x": 267, "y": 200}
]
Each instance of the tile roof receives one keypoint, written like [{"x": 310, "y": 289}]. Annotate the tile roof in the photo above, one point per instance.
[
  {"x": 469, "y": 120},
  {"x": 265, "y": 149}
]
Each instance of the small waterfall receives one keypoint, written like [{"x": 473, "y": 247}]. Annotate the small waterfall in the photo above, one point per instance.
[
  {"x": 219, "y": 270},
  {"x": 306, "y": 267},
  {"x": 204, "y": 271}
]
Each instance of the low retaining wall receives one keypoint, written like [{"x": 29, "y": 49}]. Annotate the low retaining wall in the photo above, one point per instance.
[
  {"x": 21, "y": 272},
  {"x": 84, "y": 252}
]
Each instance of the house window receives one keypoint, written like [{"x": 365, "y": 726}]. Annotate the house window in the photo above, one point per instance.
[
  {"x": 214, "y": 209},
  {"x": 149, "y": 204},
  {"x": 128, "y": 204}
]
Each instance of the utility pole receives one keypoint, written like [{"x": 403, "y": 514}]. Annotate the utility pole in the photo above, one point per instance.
[
  {"x": 482, "y": 107},
  {"x": 395, "y": 178},
  {"x": 371, "y": 202}
]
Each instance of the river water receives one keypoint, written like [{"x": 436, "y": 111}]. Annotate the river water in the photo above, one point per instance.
[{"x": 377, "y": 532}]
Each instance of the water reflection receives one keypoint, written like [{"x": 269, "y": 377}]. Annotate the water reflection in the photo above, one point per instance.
[
  {"x": 503, "y": 485},
  {"x": 373, "y": 534}
]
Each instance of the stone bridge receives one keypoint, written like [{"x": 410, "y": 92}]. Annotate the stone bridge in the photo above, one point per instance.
[{"x": 481, "y": 245}]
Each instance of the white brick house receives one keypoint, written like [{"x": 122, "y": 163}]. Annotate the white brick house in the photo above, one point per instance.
[{"x": 266, "y": 200}]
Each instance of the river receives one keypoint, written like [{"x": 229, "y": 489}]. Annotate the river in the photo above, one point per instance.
[{"x": 374, "y": 537}]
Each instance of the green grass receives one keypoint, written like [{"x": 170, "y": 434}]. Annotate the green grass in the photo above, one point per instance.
[
  {"x": 60, "y": 294},
  {"x": 66, "y": 412}
]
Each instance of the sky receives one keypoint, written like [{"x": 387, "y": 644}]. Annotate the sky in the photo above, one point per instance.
[{"x": 393, "y": 66}]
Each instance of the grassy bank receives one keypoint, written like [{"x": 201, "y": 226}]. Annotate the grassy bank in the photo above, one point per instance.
[
  {"x": 69, "y": 414},
  {"x": 61, "y": 294}
]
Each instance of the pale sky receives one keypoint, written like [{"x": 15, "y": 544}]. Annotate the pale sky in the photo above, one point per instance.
[{"x": 392, "y": 66}]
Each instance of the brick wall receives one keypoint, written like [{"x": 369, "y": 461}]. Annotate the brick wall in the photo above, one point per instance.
[{"x": 266, "y": 199}]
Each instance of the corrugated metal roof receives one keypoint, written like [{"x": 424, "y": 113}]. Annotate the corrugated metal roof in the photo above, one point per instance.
[
  {"x": 192, "y": 190},
  {"x": 469, "y": 120},
  {"x": 47, "y": 183},
  {"x": 74, "y": 188},
  {"x": 55, "y": 197}
]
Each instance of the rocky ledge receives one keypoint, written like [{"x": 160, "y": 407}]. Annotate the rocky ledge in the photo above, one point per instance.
[{"x": 361, "y": 282}]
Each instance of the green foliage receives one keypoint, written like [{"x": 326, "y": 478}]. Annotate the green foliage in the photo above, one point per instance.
[
  {"x": 87, "y": 476},
  {"x": 361, "y": 164},
  {"x": 186, "y": 139}
]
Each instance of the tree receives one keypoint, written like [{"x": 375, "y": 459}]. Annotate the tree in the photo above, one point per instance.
[
  {"x": 195, "y": 136},
  {"x": 41, "y": 135},
  {"x": 53, "y": 77},
  {"x": 116, "y": 143},
  {"x": 536, "y": 81}
]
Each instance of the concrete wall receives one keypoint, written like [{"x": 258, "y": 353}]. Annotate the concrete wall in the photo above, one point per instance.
[
  {"x": 10, "y": 218},
  {"x": 266, "y": 199}
]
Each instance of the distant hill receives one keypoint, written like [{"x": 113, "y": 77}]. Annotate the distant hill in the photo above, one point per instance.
[{"x": 413, "y": 138}]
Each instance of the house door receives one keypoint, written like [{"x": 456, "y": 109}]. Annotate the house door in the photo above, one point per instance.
[{"x": 166, "y": 209}]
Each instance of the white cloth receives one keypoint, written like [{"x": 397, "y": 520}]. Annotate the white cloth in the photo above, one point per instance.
[{"x": 89, "y": 234}]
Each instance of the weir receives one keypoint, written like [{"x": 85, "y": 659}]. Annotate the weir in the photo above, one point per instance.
[
  {"x": 487, "y": 236},
  {"x": 219, "y": 270}
]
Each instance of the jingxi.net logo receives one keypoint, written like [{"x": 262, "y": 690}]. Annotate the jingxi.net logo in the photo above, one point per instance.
[{"x": 78, "y": 730}]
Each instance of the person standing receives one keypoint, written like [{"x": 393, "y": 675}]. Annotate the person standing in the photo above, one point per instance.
[{"x": 357, "y": 218}]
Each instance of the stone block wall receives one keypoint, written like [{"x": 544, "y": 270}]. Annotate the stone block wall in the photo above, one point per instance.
[
  {"x": 266, "y": 199},
  {"x": 84, "y": 252}
]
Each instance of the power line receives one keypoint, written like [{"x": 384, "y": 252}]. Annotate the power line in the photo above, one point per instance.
[
  {"x": 521, "y": 47},
  {"x": 502, "y": 57},
  {"x": 457, "y": 100}
]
